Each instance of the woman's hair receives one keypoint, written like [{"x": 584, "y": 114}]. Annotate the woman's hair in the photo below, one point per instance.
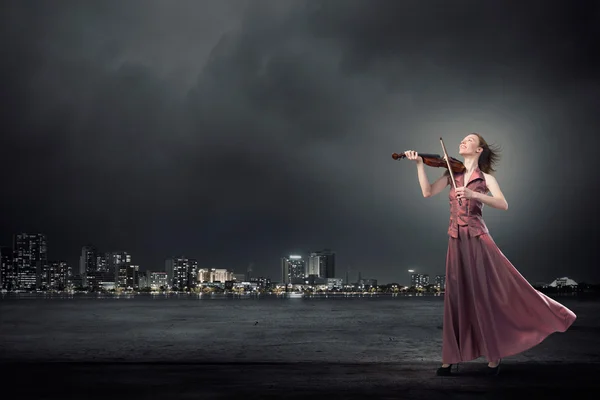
[
  {"x": 488, "y": 159},
  {"x": 489, "y": 156}
]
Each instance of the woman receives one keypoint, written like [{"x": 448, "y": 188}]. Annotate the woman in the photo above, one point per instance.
[{"x": 489, "y": 308}]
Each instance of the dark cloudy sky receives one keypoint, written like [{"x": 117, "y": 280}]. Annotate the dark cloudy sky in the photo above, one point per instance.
[{"x": 235, "y": 131}]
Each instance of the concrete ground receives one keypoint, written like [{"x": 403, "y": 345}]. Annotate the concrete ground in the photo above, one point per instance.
[
  {"x": 298, "y": 380},
  {"x": 352, "y": 348}
]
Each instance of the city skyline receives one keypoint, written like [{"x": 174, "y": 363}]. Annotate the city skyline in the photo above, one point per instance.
[
  {"x": 236, "y": 130},
  {"x": 26, "y": 266},
  {"x": 94, "y": 263}
]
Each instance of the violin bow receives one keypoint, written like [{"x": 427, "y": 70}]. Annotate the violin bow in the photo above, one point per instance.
[{"x": 449, "y": 168}]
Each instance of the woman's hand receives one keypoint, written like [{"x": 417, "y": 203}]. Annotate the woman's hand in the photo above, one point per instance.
[
  {"x": 413, "y": 155},
  {"x": 465, "y": 193}
]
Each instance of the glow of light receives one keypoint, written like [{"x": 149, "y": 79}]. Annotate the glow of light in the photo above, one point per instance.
[
  {"x": 295, "y": 257},
  {"x": 411, "y": 270}
]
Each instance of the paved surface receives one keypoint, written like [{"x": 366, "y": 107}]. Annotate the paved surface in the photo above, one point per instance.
[
  {"x": 353, "y": 348},
  {"x": 298, "y": 380}
]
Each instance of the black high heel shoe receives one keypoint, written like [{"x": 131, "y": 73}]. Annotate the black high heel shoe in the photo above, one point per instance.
[
  {"x": 444, "y": 371},
  {"x": 495, "y": 370}
]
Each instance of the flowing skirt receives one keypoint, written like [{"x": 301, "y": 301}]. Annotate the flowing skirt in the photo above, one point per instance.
[{"x": 489, "y": 307}]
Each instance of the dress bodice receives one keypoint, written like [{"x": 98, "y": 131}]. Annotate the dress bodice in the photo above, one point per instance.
[{"x": 470, "y": 213}]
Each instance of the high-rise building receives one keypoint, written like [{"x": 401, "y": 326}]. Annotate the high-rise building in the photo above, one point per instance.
[
  {"x": 440, "y": 282},
  {"x": 88, "y": 266},
  {"x": 182, "y": 272},
  {"x": 132, "y": 277},
  {"x": 8, "y": 275},
  {"x": 119, "y": 262},
  {"x": 158, "y": 280},
  {"x": 419, "y": 281},
  {"x": 249, "y": 272},
  {"x": 102, "y": 264},
  {"x": 30, "y": 257},
  {"x": 192, "y": 278},
  {"x": 313, "y": 267},
  {"x": 60, "y": 275},
  {"x": 100, "y": 269},
  {"x": 293, "y": 269},
  {"x": 322, "y": 264}
]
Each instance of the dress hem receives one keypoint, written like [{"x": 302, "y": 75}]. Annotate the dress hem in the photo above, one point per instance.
[{"x": 513, "y": 353}]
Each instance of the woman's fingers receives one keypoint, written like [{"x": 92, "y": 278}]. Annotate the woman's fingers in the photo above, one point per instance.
[{"x": 411, "y": 154}]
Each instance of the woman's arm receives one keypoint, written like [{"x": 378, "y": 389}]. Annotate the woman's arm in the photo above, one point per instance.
[
  {"x": 497, "y": 199},
  {"x": 436, "y": 187},
  {"x": 427, "y": 189}
]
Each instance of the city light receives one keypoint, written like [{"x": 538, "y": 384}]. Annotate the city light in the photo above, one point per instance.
[{"x": 113, "y": 271}]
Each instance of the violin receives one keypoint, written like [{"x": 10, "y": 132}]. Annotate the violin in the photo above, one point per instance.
[{"x": 436, "y": 161}]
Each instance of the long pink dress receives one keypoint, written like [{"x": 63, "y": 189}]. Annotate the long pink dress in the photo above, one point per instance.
[{"x": 489, "y": 307}]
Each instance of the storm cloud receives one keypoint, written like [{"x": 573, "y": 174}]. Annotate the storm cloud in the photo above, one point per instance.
[{"x": 239, "y": 131}]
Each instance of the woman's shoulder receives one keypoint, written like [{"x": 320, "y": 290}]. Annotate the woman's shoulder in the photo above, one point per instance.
[
  {"x": 490, "y": 181},
  {"x": 488, "y": 177}
]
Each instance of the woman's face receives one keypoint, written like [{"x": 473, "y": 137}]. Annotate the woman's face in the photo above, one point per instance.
[{"x": 469, "y": 146}]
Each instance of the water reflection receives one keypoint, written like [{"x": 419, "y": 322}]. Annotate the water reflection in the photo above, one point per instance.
[{"x": 204, "y": 296}]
